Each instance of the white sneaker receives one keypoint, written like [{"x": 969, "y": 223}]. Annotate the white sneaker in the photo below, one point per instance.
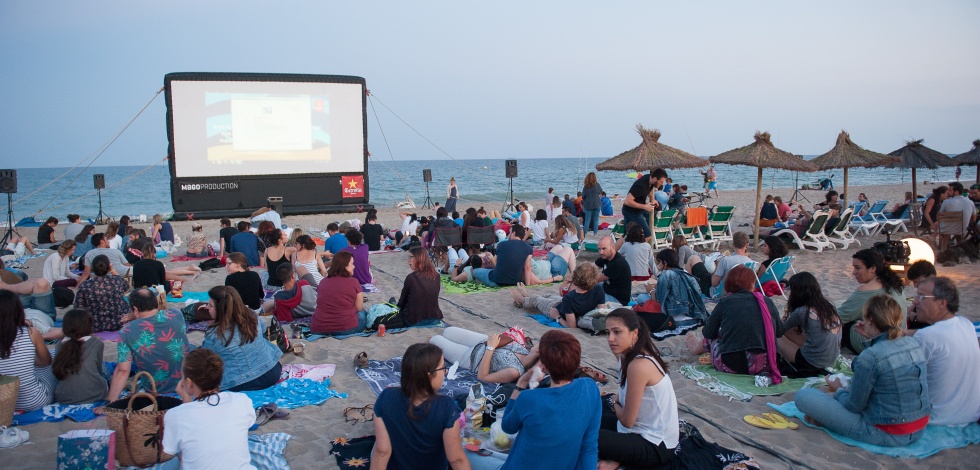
[{"x": 12, "y": 437}]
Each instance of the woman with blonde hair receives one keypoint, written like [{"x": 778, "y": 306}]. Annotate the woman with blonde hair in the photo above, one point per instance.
[
  {"x": 564, "y": 234},
  {"x": 162, "y": 231},
  {"x": 112, "y": 235},
  {"x": 591, "y": 203},
  {"x": 56, "y": 266},
  {"x": 238, "y": 336},
  {"x": 197, "y": 243},
  {"x": 887, "y": 401},
  {"x": 297, "y": 232}
]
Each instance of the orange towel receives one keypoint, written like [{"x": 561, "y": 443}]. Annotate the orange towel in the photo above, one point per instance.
[{"x": 697, "y": 216}]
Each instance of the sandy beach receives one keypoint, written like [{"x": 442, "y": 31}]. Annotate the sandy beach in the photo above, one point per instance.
[{"x": 314, "y": 427}]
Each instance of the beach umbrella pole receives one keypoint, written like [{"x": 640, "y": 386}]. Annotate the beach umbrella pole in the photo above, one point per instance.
[
  {"x": 758, "y": 206},
  {"x": 846, "y": 201},
  {"x": 915, "y": 194}
]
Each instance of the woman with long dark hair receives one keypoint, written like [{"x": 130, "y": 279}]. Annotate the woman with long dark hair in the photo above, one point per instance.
[
  {"x": 419, "y": 300},
  {"x": 238, "y": 336},
  {"x": 774, "y": 248},
  {"x": 416, "y": 427},
  {"x": 638, "y": 253},
  {"x": 641, "y": 429},
  {"x": 874, "y": 277},
  {"x": 339, "y": 300},
  {"x": 591, "y": 203},
  {"x": 812, "y": 328},
  {"x": 247, "y": 283},
  {"x": 78, "y": 362},
  {"x": 24, "y": 354}
]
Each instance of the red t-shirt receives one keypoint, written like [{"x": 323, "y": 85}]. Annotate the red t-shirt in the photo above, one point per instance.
[
  {"x": 784, "y": 211},
  {"x": 335, "y": 311}
]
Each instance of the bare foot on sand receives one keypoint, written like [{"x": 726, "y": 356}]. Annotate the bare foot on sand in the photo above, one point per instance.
[
  {"x": 520, "y": 288},
  {"x": 694, "y": 344},
  {"x": 518, "y": 298}
]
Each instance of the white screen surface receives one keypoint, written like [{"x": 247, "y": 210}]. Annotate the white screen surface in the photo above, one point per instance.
[{"x": 232, "y": 128}]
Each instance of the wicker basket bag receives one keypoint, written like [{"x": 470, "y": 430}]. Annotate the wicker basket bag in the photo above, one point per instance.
[
  {"x": 138, "y": 423},
  {"x": 9, "y": 388}
]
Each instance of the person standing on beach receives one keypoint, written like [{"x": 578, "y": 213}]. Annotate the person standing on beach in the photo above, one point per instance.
[
  {"x": 712, "y": 180},
  {"x": 636, "y": 209},
  {"x": 591, "y": 202},
  {"x": 452, "y": 195},
  {"x": 959, "y": 171}
]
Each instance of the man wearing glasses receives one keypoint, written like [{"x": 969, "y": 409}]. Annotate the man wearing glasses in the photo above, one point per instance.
[{"x": 950, "y": 343}]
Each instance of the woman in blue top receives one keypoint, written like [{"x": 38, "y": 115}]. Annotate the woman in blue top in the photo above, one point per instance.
[
  {"x": 238, "y": 336},
  {"x": 887, "y": 402},
  {"x": 558, "y": 426},
  {"x": 415, "y": 426}
]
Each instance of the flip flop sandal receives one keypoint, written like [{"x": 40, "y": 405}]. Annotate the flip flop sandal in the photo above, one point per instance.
[
  {"x": 265, "y": 412},
  {"x": 279, "y": 415},
  {"x": 361, "y": 360},
  {"x": 761, "y": 422},
  {"x": 780, "y": 419}
]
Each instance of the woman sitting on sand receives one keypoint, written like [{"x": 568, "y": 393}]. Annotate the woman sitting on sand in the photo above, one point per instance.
[
  {"x": 774, "y": 248},
  {"x": 339, "y": 301},
  {"x": 739, "y": 334},
  {"x": 416, "y": 427},
  {"x": 684, "y": 251},
  {"x": 210, "y": 429},
  {"x": 887, "y": 402},
  {"x": 564, "y": 234},
  {"x": 812, "y": 329},
  {"x": 586, "y": 296},
  {"x": 361, "y": 253},
  {"x": 237, "y": 335},
  {"x": 149, "y": 271},
  {"x": 641, "y": 429},
  {"x": 638, "y": 253},
  {"x": 162, "y": 231},
  {"x": 507, "y": 361},
  {"x": 247, "y": 283},
  {"x": 24, "y": 354},
  {"x": 83, "y": 244},
  {"x": 275, "y": 254},
  {"x": 56, "y": 269},
  {"x": 677, "y": 292},
  {"x": 113, "y": 237},
  {"x": 306, "y": 257},
  {"x": 874, "y": 277},
  {"x": 197, "y": 243},
  {"x": 104, "y": 296},
  {"x": 534, "y": 414},
  {"x": 539, "y": 228},
  {"x": 419, "y": 300}
]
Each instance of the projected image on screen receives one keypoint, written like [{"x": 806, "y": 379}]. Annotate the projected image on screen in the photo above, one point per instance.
[{"x": 265, "y": 128}]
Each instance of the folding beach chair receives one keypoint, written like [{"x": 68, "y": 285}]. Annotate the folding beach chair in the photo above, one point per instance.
[
  {"x": 776, "y": 271},
  {"x": 693, "y": 235},
  {"x": 814, "y": 236},
  {"x": 867, "y": 224},
  {"x": 719, "y": 228},
  {"x": 442, "y": 239},
  {"x": 476, "y": 236},
  {"x": 842, "y": 232},
  {"x": 662, "y": 228},
  {"x": 887, "y": 222}
]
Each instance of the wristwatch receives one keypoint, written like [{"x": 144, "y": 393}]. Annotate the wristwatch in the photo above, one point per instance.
[{"x": 490, "y": 348}]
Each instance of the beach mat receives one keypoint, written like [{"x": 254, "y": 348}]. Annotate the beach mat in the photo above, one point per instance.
[
  {"x": 743, "y": 388},
  {"x": 294, "y": 393},
  {"x": 380, "y": 375},
  {"x": 450, "y": 287},
  {"x": 369, "y": 288},
  {"x": 106, "y": 336},
  {"x": 352, "y": 454},
  {"x": 301, "y": 321},
  {"x": 267, "y": 452},
  {"x": 55, "y": 413},
  {"x": 683, "y": 326},
  {"x": 196, "y": 296},
  {"x": 307, "y": 335},
  {"x": 545, "y": 320},
  {"x": 933, "y": 440}
]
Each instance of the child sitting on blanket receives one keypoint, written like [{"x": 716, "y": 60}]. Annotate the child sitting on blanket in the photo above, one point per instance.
[
  {"x": 586, "y": 296},
  {"x": 78, "y": 362}
]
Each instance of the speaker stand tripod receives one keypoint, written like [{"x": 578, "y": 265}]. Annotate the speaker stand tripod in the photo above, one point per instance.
[
  {"x": 428, "y": 200},
  {"x": 10, "y": 232},
  {"x": 509, "y": 206},
  {"x": 797, "y": 195},
  {"x": 102, "y": 218}
]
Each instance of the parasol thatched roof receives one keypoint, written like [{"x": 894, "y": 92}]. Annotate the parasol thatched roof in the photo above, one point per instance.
[
  {"x": 847, "y": 154},
  {"x": 971, "y": 158},
  {"x": 763, "y": 154},
  {"x": 650, "y": 155},
  {"x": 916, "y": 155}
]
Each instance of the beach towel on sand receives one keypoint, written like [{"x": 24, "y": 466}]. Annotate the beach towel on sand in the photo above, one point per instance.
[
  {"x": 743, "y": 388},
  {"x": 683, "y": 326},
  {"x": 294, "y": 393},
  {"x": 352, "y": 454},
  {"x": 380, "y": 375},
  {"x": 933, "y": 440},
  {"x": 54, "y": 413},
  {"x": 450, "y": 287},
  {"x": 266, "y": 450}
]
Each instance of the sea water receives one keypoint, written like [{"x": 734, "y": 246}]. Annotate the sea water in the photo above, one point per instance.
[{"x": 137, "y": 190}]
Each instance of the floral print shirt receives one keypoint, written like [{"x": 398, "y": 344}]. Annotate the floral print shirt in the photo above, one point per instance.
[
  {"x": 103, "y": 296},
  {"x": 156, "y": 344}
]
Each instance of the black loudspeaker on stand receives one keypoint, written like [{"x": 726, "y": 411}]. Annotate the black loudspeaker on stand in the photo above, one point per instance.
[
  {"x": 427, "y": 178},
  {"x": 99, "y": 182},
  {"x": 510, "y": 167},
  {"x": 8, "y": 185}
]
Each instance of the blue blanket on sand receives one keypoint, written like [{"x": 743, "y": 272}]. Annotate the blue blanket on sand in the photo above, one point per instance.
[
  {"x": 294, "y": 393},
  {"x": 380, "y": 375},
  {"x": 935, "y": 439},
  {"x": 54, "y": 413},
  {"x": 266, "y": 451}
]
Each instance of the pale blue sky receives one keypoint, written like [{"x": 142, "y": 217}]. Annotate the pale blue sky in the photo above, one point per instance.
[{"x": 507, "y": 79}]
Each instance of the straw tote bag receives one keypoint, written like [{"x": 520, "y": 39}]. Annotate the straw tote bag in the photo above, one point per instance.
[
  {"x": 138, "y": 423},
  {"x": 9, "y": 388}
]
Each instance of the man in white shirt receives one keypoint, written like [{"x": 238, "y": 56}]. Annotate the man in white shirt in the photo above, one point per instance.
[
  {"x": 740, "y": 241},
  {"x": 950, "y": 342},
  {"x": 116, "y": 258},
  {"x": 267, "y": 213},
  {"x": 959, "y": 203}
]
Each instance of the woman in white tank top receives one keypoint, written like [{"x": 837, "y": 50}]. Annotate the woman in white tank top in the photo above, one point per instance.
[
  {"x": 306, "y": 257},
  {"x": 645, "y": 409}
]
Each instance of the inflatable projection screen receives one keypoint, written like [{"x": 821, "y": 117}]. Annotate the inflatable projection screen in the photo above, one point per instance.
[{"x": 238, "y": 139}]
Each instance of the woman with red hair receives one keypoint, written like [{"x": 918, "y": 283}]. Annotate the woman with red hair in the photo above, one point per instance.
[
  {"x": 741, "y": 332},
  {"x": 419, "y": 301}
]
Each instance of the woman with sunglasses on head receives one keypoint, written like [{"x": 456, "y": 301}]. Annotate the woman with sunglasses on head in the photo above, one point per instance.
[{"x": 416, "y": 427}]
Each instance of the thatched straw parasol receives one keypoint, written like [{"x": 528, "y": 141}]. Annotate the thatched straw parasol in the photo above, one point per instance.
[
  {"x": 971, "y": 158},
  {"x": 762, "y": 154},
  {"x": 650, "y": 155},
  {"x": 847, "y": 154},
  {"x": 915, "y": 155}
]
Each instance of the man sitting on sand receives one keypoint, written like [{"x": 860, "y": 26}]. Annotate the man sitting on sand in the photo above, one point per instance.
[
  {"x": 513, "y": 261},
  {"x": 267, "y": 213},
  {"x": 616, "y": 277},
  {"x": 134, "y": 249},
  {"x": 117, "y": 261},
  {"x": 950, "y": 344},
  {"x": 335, "y": 242},
  {"x": 224, "y": 236},
  {"x": 155, "y": 341},
  {"x": 247, "y": 243}
]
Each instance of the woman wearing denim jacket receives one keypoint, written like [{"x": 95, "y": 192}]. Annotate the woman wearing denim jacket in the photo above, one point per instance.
[
  {"x": 676, "y": 291},
  {"x": 237, "y": 335},
  {"x": 887, "y": 403}
]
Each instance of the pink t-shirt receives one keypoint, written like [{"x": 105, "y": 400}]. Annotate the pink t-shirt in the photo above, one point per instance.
[
  {"x": 335, "y": 311},
  {"x": 784, "y": 211}
]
